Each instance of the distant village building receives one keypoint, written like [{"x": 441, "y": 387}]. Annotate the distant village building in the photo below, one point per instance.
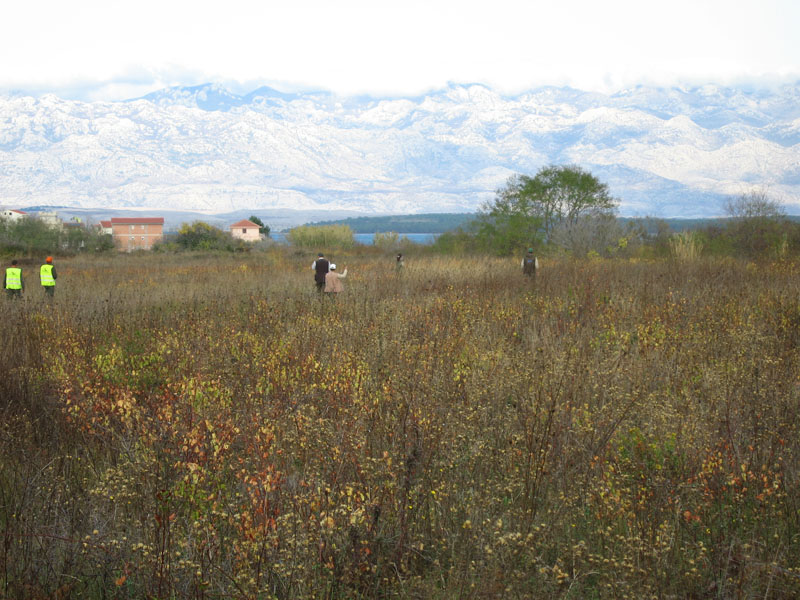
[
  {"x": 71, "y": 225},
  {"x": 51, "y": 219},
  {"x": 12, "y": 216},
  {"x": 72, "y": 228},
  {"x": 246, "y": 230},
  {"x": 104, "y": 227},
  {"x": 136, "y": 233}
]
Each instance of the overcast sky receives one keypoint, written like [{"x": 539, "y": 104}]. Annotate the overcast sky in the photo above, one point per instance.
[{"x": 114, "y": 49}]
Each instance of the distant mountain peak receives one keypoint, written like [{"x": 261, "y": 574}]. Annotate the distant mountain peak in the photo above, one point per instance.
[
  {"x": 207, "y": 96},
  {"x": 663, "y": 151}
]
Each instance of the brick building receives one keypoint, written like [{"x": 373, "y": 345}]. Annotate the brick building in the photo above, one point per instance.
[{"x": 136, "y": 233}]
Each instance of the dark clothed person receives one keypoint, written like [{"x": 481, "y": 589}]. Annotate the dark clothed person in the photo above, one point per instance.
[
  {"x": 321, "y": 267},
  {"x": 530, "y": 264}
]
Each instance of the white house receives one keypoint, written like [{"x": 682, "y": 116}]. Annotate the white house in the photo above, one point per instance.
[
  {"x": 11, "y": 215},
  {"x": 246, "y": 230}
]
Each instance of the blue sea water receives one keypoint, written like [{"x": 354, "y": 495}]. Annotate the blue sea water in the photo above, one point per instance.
[{"x": 367, "y": 239}]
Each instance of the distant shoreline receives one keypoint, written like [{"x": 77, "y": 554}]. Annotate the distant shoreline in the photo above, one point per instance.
[
  {"x": 367, "y": 239},
  {"x": 282, "y": 220}
]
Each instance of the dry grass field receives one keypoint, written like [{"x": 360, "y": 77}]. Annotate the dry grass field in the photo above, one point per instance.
[{"x": 209, "y": 427}]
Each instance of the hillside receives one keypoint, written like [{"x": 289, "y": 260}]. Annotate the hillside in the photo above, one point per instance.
[{"x": 422, "y": 223}]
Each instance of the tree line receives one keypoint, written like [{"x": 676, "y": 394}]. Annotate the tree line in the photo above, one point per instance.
[
  {"x": 559, "y": 209},
  {"x": 567, "y": 209},
  {"x": 32, "y": 236}
]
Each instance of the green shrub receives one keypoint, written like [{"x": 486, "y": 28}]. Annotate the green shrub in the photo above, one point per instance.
[
  {"x": 201, "y": 236},
  {"x": 338, "y": 237}
]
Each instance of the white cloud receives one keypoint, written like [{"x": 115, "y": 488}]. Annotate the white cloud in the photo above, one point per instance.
[{"x": 354, "y": 46}]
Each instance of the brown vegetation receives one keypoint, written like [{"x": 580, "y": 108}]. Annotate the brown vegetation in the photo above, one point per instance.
[{"x": 204, "y": 427}]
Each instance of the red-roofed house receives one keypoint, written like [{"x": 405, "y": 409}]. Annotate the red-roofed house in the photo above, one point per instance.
[
  {"x": 136, "y": 233},
  {"x": 246, "y": 230},
  {"x": 105, "y": 227},
  {"x": 12, "y": 216}
]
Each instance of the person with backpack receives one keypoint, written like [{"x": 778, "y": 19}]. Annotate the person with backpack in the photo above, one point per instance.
[
  {"x": 530, "y": 264},
  {"x": 321, "y": 267}
]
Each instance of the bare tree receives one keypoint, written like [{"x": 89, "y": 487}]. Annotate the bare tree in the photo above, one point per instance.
[
  {"x": 588, "y": 233},
  {"x": 756, "y": 204},
  {"x": 757, "y": 223}
]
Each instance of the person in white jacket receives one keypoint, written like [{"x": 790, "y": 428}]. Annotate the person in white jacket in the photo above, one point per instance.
[{"x": 333, "y": 280}]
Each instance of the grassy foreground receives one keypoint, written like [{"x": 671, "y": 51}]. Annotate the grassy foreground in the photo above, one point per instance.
[{"x": 207, "y": 427}]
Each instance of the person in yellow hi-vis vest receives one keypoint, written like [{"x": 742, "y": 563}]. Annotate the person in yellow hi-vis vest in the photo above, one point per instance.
[
  {"x": 12, "y": 281},
  {"x": 47, "y": 272}
]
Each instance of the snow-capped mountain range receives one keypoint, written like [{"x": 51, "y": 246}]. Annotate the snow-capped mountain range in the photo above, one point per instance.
[{"x": 663, "y": 152}]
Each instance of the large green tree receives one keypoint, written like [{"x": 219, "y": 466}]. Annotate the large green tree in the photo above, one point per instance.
[
  {"x": 564, "y": 194},
  {"x": 262, "y": 229},
  {"x": 528, "y": 209},
  {"x": 510, "y": 221}
]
